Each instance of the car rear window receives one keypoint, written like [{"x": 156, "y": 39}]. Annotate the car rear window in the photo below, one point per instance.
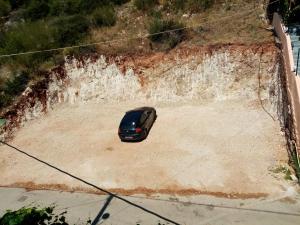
[{"x": 131, "y": 119}]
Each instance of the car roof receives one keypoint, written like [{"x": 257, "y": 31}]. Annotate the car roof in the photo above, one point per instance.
[
  {"x": 132, "y": 117},
  {"x": 140, "y": 109}
]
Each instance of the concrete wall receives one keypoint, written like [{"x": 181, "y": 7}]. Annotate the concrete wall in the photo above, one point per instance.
[{"x": 292, "y": 81}]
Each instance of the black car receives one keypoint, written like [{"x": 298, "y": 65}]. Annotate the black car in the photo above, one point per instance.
[{"x": 136, "y": 124}]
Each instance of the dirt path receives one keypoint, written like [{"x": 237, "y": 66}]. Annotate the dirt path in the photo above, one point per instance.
[{"x": 217, "y": 147}]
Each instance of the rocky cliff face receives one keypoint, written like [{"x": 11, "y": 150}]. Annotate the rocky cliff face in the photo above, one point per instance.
[{"x": 205, "y": 74}]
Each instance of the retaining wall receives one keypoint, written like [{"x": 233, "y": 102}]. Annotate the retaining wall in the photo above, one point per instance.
[{"x": 292, "y": 81}]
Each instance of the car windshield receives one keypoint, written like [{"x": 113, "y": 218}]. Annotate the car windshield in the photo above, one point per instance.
[{"x": 131, "y": 120}]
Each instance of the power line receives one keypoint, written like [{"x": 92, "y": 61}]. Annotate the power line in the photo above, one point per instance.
[
  {"x": 90, "y": 184},
  {"x": 124, "y": 39}
]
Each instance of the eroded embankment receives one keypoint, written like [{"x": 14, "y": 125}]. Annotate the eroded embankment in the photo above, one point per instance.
[{"x": 201, "y": 74}]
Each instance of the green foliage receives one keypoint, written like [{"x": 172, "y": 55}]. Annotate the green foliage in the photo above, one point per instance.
[
  {"x": 189, "y": 5},
  {"x": 39, "y": 35},
  {"x": 199, "y": 5},
  {"x": 71, "y": 7},
  {"x": 33, "y": 216},
  {"x": 17, "y": 85},
  {"x": 296, "y": 163},
  {"x": 178, "y": 4},
  {"x": 172, "y": 37},
  {"x": 18, "y": 3},
  {"x": 119, "y": 2},
  {"x": 4, "y": 8},
  {"x": 5, "y": 100},
  {"x": 145, "y": 4},
  {"x": 37, "y": 9},
  {"x": 70, "y": 30},
  {"x": 104, "y": 16},
  {"x": 12, "y": 88},
  {"x": 289, "y": 10},
  {"x": 81, "y": 51},
  {"x": 294, "y": 14},
  {"x": 66, "y": 7}
]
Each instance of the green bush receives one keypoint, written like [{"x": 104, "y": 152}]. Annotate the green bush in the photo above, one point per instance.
[
  {"x": 172, "y": 37},
  {"x": 17, "y": 85},
  {"x": 70, "y": 30},
  {"x": 18, "y": 3},
  {"x": 145, "y": 4},
  {"x": 198, "y": 5},
  {"x": 175, "y": 5},
  {"x": 119, "y": 2},
  {"x": 179, "y": 4},
  {"x": 39, "y": 35},
  {"x": 33, "y": 216},
  {"x": 12, "y": 88},
  {"x": 66, "y": 7},
  {"x": 104, "y": 16},
  {"x": 4, "y": 8},
  {"x": 37, "y": 9}
]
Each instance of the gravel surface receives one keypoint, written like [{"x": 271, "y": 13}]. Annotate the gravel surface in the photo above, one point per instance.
[{"x": 225, "y": 148}]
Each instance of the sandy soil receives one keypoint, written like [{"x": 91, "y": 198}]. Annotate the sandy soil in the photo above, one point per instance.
[{"x": 216, "y": 147}]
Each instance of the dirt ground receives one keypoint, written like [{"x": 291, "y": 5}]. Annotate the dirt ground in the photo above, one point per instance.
[{"x": 221, "y": 147}]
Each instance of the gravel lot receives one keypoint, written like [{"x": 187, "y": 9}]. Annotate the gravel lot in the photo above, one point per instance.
[{"x": 221, "y": 147}]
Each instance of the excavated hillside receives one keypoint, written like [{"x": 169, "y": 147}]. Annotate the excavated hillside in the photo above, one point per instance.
[{"x": 219, "y": 108}]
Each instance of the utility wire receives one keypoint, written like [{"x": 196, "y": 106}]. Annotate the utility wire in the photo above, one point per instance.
[
  {"x": 90, "y": 184},
  {"x": 124, "y": 39}
]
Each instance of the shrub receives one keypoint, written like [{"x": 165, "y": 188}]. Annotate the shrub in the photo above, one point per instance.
[
  {"x": 198, "y": 5},
  {"x": 174, "y": 35},
  {"x": 119, "y": 2},
  {"x": 104, "y": 16},
  {"x": 5, "y": 100},
  {"x": 38, "y": 36},
  {"x": 37, "y": 9},
  {"x": 33, "y": 216},
  {"x": 81, "y": 51},
  {"x": 145, "y": 4},
  {"x": 179, "y": 4},
  {"x": 294, "y": 14},
  {"x": 70, "y": 30},
  {"x": 67, "y": 7},
  {"x": 18, "y": 3},
  {"x": 4, "y": 8},
  {"x": 175, "y": 4},
  {"x": 12, "y": 88},
  {"x": 16, "y": 85}
]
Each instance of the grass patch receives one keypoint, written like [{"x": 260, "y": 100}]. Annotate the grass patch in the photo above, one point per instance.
[{"x": 283, "y": 170}]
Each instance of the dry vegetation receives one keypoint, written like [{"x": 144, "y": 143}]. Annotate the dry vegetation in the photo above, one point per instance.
[
  {"x": 125, "y": 25},
  {"x": 226, "y": 22}
]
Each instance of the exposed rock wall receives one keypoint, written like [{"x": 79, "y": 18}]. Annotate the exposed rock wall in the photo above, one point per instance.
[{"x": 249, "y": 73}]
